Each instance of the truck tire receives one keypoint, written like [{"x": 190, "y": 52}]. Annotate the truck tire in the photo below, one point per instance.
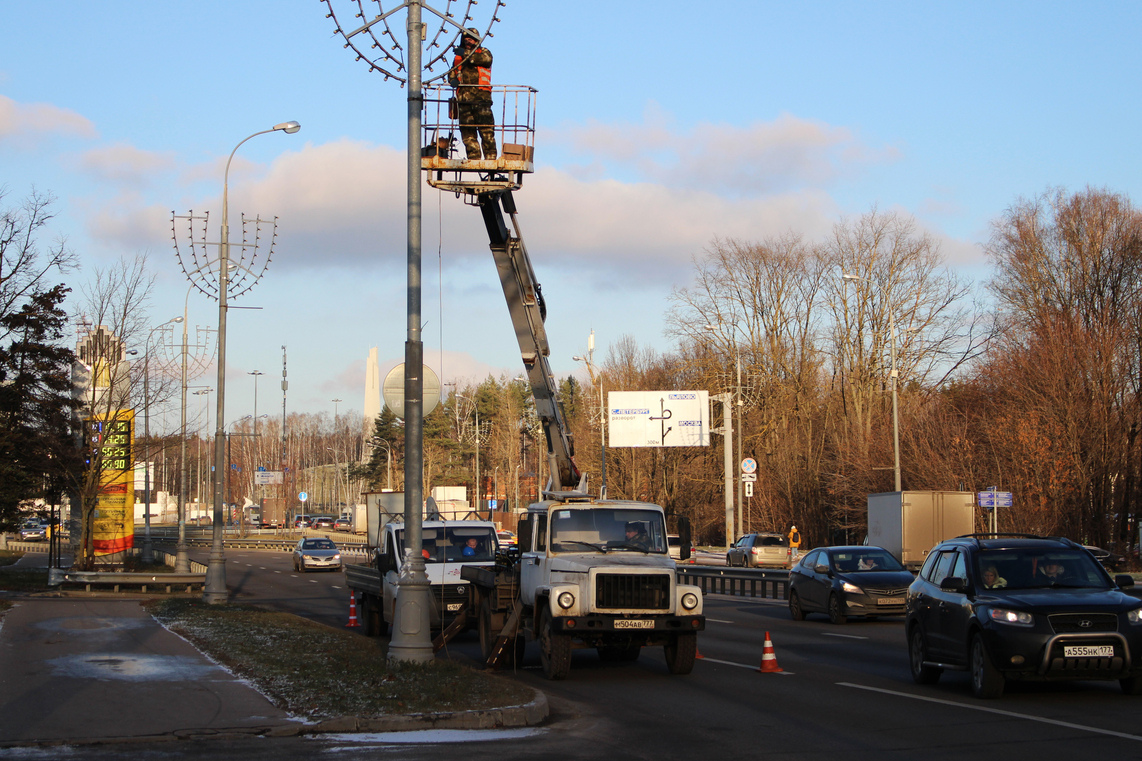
[
  {"x": 486, "y": 628},
  {"x": 680, "y": 652},
  {"x": 554, "y": 649}
]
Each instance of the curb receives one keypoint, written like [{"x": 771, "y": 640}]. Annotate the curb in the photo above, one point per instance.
[{"x": 512, "y": 717}]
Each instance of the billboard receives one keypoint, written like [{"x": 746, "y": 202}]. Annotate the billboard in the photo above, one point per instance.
[
  {"x": 658, "y": 418},
  {"x": 113, "y": 522}
]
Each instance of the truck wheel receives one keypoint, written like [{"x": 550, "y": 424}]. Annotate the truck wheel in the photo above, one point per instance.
[
  {"x": 680, "y": 652},
  {"x": 554, "y": 649},
  {"x": 630, "y": 653},
  {"x": 370, "y": 617}
]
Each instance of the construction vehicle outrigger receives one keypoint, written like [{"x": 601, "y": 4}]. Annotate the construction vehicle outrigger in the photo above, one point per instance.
[{"x": 590, "y": 572}]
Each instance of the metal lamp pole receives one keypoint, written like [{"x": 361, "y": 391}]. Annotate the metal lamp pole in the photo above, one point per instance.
[
  {"x": 214, "y": 590},
  {"x": 148, "y": 552},
  {"x": 894, "y": 375},
  {"x": 602, "y": 411}
]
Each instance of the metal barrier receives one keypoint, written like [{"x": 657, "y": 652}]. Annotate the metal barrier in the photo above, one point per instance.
[{"x": 740, "y": 582}]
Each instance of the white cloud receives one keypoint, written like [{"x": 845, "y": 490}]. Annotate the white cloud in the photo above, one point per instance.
[
  {"x": 31, "y": 122},
  {"x": 126, "y": 165}
]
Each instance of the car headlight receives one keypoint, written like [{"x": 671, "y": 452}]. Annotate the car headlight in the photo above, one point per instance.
[
  {"x": 689, "y": 601},
  {"x": 1013, "y": 617},
  {"x": 1134, "y": 616},
  {"x": 565, "y": 600},
  {"x": 851, "y": 589},
  {"x": 337, "y": 556}
]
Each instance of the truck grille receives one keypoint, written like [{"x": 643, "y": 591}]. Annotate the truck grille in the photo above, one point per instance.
[{"x": 641, "y": 591}]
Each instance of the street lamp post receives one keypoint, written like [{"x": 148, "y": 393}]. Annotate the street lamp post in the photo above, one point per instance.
[
  {"x": 214, "y": 590},
  {"x": 148, "y": 552},
  {"x": 598, "y": 383},
  {"x": 388, "y": 459},
  {"x": 737, "y": 404},
  {"x": 197, "y": 437},
  {"x": 894, "y": 374}
]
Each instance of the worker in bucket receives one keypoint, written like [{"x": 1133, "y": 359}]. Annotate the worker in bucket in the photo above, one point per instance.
[{"x": 471, "y": 75}]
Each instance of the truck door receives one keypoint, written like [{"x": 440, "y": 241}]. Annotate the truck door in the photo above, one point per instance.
[{"x": 532, "y": 569}]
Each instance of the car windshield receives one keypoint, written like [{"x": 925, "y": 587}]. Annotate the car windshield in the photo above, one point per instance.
[
  {"x": 607, "y": 529},
  {"x": 318, "y": 544},
  {"x": 864, "y": 561},
  {"x": 442, "y": 544},
  {"x": 1037, "y": 568}
]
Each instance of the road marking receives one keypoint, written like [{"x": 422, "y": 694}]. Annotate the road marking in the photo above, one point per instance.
[
  {"x": 718, "y": 620},
  {"x": 313, "y": 581},
  {"x": 842, "y": 636},
  {"x": 708, "y": 659},
  {"x": 996, "y": 711}
]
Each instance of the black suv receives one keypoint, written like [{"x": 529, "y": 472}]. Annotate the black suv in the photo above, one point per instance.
[{"x": 1016, "y": 606}]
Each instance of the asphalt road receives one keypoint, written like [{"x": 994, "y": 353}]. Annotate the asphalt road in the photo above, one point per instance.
[{"x": 844, "y": 692}]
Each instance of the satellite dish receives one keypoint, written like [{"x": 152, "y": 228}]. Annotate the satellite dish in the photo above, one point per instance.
[{"x": 393, "y": 390}]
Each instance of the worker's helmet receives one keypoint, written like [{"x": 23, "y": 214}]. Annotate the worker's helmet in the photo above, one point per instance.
[{"x": 471, "y": 33}]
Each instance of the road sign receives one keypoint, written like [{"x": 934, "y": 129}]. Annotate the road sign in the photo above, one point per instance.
[
  {"x": 991, "y": 499},
  {"x": 302, "y": 496},
  {"x": 749, "y": 465},
  {"x": 749, "y": 478},
  {"x": 749, "y": 488}
]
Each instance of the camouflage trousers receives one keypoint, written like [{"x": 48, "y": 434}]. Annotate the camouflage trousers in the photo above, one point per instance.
[{"x": 477, "y": 119}]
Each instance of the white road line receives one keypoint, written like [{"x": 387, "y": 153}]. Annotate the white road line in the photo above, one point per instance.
[
  {"x": 740, "y": 665},
  {"x": 313, "y": 581},
  {"x": 842, "y": 636},
  {"x": 996, "y": 711},
  {"x": 718, "y": 621}
]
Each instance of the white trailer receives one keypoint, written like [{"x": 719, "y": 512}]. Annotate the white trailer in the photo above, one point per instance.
[{"x": 910, "y": 523}]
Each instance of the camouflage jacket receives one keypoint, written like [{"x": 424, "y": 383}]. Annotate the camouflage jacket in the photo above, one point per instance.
[{"x": 473, "y": 78}]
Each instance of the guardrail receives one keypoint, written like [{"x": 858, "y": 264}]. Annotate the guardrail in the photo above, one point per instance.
[
  {"x": 741, "y": 582},
  {"x": 273, "y": 545},
  {"x": 145, "y": 581}
]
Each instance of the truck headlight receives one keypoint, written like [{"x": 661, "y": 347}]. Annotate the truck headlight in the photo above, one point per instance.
[
  {"x": 689, "y": 601},
  {"x": 565, "y": 600}
]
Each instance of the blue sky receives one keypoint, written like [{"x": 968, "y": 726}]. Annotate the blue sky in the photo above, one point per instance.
[{"x": 662, "y": 125}]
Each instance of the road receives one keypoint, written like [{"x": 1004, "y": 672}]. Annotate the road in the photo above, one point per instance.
[{"x": 844, "y": 692}]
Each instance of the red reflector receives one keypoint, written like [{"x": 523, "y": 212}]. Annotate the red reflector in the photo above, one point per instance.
[{"x": 569, "y": 623}]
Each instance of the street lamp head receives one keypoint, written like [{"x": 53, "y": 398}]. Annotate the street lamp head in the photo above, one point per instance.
[
  {"x": 848, "y": 276},
  {"x": 288, "y": 127},
  {"x": 578, "y": 359}
]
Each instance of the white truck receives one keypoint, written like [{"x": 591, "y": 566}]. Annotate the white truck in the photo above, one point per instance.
[
  {"x": 579, "y": 579},
  {"x": 446, "y": 549},
  {"x": 910, "y": 523}
]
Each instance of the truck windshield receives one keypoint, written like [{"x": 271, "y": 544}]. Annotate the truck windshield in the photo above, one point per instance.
[
  {"x": 446, "y": 544},
  {"x": 607, "y": 529}
]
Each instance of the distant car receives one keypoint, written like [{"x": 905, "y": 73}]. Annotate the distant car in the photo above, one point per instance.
[
  {"x": 342, "y": 524},
  {"x": 317, "y": 553},
  {"x": 1022, "y": 607},
  {"x": 303, "y": 521},
  {"x": 760, "y": 550},
  {"x": 323, "y": 521},
  {"x": 507, "y": 539},
  {"x": 33, "y": 531},
  {"x": 848, "y": 582},
  {"x": 674, "y": 544},
  {"x": 1108, "y": 559}
]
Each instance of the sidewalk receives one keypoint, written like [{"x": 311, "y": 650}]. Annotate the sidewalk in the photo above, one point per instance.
[{"x": 102, "y": 670}]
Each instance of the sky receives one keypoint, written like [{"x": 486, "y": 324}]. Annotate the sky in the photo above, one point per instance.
[{"x": 661, "y": 126}]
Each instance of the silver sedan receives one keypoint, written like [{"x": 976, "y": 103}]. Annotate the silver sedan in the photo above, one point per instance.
[{"x": 317, "y": 553}]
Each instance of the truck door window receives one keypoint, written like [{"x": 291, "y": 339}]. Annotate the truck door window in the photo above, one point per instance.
[{"x": 541, "y": 532}]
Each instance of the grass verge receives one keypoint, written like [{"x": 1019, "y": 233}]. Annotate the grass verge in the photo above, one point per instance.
[{"x": 314, "y": 671}]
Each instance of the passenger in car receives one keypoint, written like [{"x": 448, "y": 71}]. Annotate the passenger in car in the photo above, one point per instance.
[{"x": 992, "y": 579}]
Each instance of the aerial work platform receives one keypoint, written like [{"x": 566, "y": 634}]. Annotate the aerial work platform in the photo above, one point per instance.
[{"x": 443, "y": 156}]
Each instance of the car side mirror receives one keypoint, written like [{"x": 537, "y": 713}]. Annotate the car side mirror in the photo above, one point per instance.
[
  {"x": 1124, "y": 581},
  {"x": 821, "y": 568},
  {"x": 953, "y": 584},
  {"x": 684, "y": 538}
]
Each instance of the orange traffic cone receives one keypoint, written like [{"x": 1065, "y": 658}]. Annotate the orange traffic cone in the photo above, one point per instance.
[
  {"x": 698, "y": 653},
  {"x": 353, "y": 611},
  {"x": 769, "y": 658}
]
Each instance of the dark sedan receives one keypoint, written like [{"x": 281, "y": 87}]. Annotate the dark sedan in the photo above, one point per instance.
[{"x": 847, "y": 582}]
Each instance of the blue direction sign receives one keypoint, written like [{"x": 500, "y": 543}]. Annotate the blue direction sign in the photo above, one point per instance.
[{"x": 995, "y": 499}]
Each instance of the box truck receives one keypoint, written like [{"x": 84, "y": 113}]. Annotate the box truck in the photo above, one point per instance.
[{"x": 910, "y": 523}]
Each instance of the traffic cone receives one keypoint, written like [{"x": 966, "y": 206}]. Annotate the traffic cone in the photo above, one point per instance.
[
  {"x": 769, "y": 658},
  {"x": 697, "y": 652},
  {"x": 353, "y": 612}
]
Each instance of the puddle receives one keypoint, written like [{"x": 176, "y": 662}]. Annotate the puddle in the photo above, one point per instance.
[{"x": 131, "y": 667}]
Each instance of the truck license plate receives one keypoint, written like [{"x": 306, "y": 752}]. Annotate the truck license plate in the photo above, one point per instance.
[
  {"x": 890, "y": 601},
  {"x": 628, "y": 623},
  {"x": 455, "y": 606},
  {"x": 1088, "y": 651}
]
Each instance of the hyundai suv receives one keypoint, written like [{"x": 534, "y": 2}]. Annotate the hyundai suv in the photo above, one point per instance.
[{"x": 1021, "y": 607}]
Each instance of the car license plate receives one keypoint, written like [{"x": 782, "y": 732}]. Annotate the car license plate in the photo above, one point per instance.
[
  {"x": 628, "y": 623},
  {"x": 1088, "y": 651},
  {"x": 890, "y": 601},
  {"x": 455, "y": 606}
]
